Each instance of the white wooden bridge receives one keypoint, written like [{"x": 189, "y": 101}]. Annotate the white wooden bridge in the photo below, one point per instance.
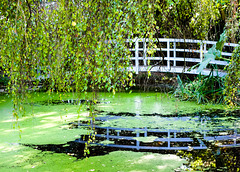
[{"x": 175, "y": 59}]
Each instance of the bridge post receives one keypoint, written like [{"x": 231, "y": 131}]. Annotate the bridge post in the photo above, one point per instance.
[
  {"x": 201, "y": 51},
  {"x": 145, "y": 133},
  {"x": 107, "y": 133},
  {"x": 169, "y": 138},
  {"x": 205, "y": 47},
  {"x": 168, "y": 55},
  {"x": 235, "y": 134},
  {"x": 136, "y": 56},
  {"x": 174, "y": 52},
  {"x": 137, "y": 142},
  {"x": 144, "y": 52}
]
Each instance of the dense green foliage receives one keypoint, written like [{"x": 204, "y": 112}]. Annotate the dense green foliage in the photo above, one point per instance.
[
  {"x": 202, "y": 19},
  {"x": 80, "y": 46},
  {"x": 3, "y": 80},
  {"x": 74, "y": 45},
  {"x": 204, "y": 89},
  {"x": 213, "y": 159},
  {"x": 232, "y": 90}
]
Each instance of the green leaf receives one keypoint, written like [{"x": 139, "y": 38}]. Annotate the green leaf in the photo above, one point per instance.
[
  {"x": 205, "y": 62},
  {"x": 213, "y": 52},
  {"x": 180, "y": 83},
  {"x": 222, "y": 40}
]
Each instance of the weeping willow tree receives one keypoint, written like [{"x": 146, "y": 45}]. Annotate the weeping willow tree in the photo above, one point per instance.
[{"x": 73, "y": 45}]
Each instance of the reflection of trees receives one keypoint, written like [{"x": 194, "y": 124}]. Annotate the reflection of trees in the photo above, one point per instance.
[{"x": 215, "y": 158}]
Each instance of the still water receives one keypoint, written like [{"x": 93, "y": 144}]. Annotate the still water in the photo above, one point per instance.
[{"x": 127, "y": 132}]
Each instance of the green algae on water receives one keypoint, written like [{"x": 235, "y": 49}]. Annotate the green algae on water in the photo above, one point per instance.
[{"x": 51, "y": 125}]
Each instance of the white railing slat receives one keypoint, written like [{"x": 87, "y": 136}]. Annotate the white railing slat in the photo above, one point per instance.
[
  {"x": 145, "y": 52},
  {"x": 168, "y": 54},
  {"x": 136, "y": 56},
  {"x": 174, "y": 53}
]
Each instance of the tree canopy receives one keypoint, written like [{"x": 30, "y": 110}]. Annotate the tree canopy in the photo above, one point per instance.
[
  {"x": 198, "y": 19},
  {"x": 81, "y": 45},
  {"x": 74, "y": 45}
]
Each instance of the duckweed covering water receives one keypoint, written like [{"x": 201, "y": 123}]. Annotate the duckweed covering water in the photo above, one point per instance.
[{"x": 49, "y": 124}]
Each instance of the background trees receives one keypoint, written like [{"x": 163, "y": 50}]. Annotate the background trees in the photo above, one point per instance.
[
  {"x": 203, "y": 19},
  {"x": 80, "y": 45},
  {"x": 232, "y": 83},
  {"x": 73, "y": 45}
]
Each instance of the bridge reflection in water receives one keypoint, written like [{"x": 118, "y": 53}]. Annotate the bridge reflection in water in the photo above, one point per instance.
[{"x": 163, "y": 139}]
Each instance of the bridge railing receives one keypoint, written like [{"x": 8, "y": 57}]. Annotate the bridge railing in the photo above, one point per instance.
[
  {"x": 166, "y": 139},
  {"x": 176, "y": 59}
]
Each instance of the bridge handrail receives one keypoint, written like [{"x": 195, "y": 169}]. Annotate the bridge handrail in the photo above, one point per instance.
[
  {"x": 178, "y": 40},
  {"x": 202, "y": 49}
]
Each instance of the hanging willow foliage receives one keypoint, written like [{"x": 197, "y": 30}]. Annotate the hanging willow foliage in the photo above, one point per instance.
[{"x": 73, "y": 45}]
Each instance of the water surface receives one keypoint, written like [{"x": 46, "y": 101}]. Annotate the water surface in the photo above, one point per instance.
[{"x": 50, "y": 136}]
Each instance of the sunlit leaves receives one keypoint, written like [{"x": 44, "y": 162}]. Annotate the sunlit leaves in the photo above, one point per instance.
[
  {"x": 71, "y": 45},
  {"x": 232, "y": 83}
]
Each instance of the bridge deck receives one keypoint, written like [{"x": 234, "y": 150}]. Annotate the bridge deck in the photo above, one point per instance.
[{"x": 178, "y": 69}]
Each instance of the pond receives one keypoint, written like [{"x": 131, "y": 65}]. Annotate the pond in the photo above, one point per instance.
[{"x": 131, "y": 132}]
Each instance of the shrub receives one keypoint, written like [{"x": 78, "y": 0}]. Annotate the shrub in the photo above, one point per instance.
[
  {"x": 232, "y": 83},
  {"x": 3, "y": 80},
  {"x": 203, "y": 89}
]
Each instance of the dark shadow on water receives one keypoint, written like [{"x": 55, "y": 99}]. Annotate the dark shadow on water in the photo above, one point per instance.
[
  {"x": 218, "y": 148},
  {"x": 213, "y": 158},
  {"x": 73, "y": 149},
  {"x": 64, "y": 102},
  {"x": 76, "y": 149},
  {"x": 208, "y": 113}
]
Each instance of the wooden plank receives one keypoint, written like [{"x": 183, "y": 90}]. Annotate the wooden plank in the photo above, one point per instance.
[
  {"x": 145, "y": 53},
  {"x": 181, "y": 59},
  {"x": 157, "y": 139},
  {"x": 144, "y": 147},
  {"x": 227, "y": 137},
  {"x": 174, "y": 53},
  {"x": 181, "y": 40},
  {"x": 231, "y": 145},
  {"x": 174, "y": 139},
  {"x": 115, "y": 137},
  {"x": 179, "y": 69}
]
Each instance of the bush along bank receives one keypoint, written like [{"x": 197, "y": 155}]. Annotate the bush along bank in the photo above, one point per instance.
[{"x": 203, "y": 89}]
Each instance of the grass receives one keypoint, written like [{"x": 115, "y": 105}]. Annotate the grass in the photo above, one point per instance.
[{"x": 204, "y": 89}]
